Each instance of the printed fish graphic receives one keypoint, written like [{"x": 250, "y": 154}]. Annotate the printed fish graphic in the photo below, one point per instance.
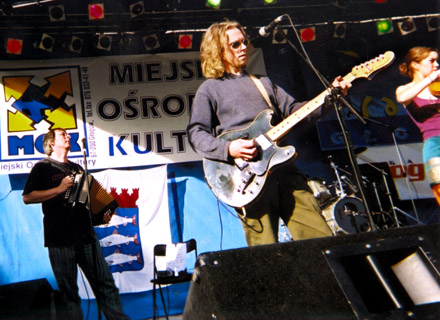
[
  {"x": 116, "y": 239},
  {"x": 118, "y": 258}
]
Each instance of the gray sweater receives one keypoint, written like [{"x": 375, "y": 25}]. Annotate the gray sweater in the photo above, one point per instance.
[{"x": 229, "y": 103}]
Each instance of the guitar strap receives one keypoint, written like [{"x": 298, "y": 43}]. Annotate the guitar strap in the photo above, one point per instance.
[{"x": 263, "y": 92}]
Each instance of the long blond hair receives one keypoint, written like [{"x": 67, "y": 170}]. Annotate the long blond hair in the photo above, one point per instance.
[
  {"x": 415, "y": 54},
  {"x": 212, "y": 48}
]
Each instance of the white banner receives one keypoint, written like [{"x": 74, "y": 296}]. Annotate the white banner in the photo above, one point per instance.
[
  {"x": 406, "y": 168},
  {"x": 140, "y": 222},
  {"x": 131, "y": 110}
]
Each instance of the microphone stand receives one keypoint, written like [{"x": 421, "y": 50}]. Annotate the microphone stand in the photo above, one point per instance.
[
  {"x": 338, "y": 100},
  {"x": 92, "y": 231}
]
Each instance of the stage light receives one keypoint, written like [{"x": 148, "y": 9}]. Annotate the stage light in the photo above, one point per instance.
[
  {"x": 407, "y": 26},
  {"x": 214, "y": 3},
  {"x": 6, "y": 9},
  {"x": 104, "y": 42},
  {"x": 279, "y": 36},
  {"x": 76, "y": 44},
  {"x": 340, "y": 31},
  {"x": 96, "y": 11},
  {"x": 380, "y": 1},
  {"x": 341, "y": 3},
  {"x": 14, "y": 46},
  {"x": 185, "y": 41},
  {"x": 269, "y": 2},
  {"x": 56, "y": 13},
  {"x": 47, "y": 42},
  {"x": 384, "y": 27},
  {"x": 151, "y": 41},
  {"x": 126, "y": 41},
  {"x": 433, "y": 23},
  {"x": 308, "y": 34},
  {"x": 136, "y": 9}
]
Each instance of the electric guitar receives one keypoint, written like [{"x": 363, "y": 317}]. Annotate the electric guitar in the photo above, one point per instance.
[{"x": 240, "y": 183}]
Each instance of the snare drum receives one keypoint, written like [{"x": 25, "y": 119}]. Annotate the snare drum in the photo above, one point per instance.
[
  {"x": 320, "y": 191},
  {"x": 346, "y": 215}
]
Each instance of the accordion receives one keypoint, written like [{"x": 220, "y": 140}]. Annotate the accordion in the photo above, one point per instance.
[{"x": 100, "y": 202}]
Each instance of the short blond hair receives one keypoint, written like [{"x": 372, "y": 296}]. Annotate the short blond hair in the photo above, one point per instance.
[
  {"x": 212, "y": 48},
  {"x": 48, "y": 139}
]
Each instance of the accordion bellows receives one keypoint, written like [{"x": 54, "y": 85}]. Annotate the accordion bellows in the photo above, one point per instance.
[{"x": 100, "y": 203}]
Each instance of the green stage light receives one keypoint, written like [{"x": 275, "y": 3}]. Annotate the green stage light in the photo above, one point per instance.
[
  {"x": 384, "y": 26},
  {"x": 270, "y": 1},
  {"x": 213, "y": 3}
]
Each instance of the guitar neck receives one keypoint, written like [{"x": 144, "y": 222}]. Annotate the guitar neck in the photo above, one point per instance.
[{"x": 283, "y": 127}]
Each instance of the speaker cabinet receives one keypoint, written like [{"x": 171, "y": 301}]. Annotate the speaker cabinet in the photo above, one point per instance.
[
  {"x": 343, "y": 277},
  {"x": 29, "y": 300}
]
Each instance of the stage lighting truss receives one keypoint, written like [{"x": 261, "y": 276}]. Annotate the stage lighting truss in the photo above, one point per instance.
[
  {"x": 47, "y": 42},
  {"x": 137, "y": 9},
  {"x": 104, "y": 42},
  {"x": 56, "y": 13},
  {"x": 407, "y": 26}
]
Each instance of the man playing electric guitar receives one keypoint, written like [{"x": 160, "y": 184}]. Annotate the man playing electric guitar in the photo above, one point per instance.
[{"x": 229, "y": 101}]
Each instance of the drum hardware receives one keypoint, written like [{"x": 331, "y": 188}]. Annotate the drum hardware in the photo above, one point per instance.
[
  {"x": 403, "y": 164},
  {"x": 346, "y": 214},
  {"x": 393, "y": 209},
  {"x": 320, "y": 191}
]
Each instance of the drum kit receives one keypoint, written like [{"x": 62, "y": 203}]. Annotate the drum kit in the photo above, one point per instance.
[{"x": 343, "y": 212}]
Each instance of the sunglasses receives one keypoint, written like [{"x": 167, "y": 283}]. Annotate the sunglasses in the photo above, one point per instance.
[{"x": 237, "y": 44}]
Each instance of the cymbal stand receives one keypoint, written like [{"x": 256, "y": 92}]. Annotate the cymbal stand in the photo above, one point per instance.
[
  {"x": 392, "y": 130},
  {"x": 381, "y": 210},
  {"x": 339, "y": 191}
]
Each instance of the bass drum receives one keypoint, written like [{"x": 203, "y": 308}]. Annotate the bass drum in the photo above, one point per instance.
[{"x": 347, "y": 216}]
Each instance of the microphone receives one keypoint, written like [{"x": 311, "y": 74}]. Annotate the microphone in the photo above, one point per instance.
[{"x": 265, "y": 31}]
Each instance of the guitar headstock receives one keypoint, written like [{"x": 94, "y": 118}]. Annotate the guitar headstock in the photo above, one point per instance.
[{"x": 368, "y": 69}]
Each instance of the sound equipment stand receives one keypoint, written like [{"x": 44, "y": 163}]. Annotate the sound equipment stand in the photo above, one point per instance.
[
  {"x": 337, "y": 99},
  {"x": 92, "y": 231},
  {"x": 404, "y": 168}
]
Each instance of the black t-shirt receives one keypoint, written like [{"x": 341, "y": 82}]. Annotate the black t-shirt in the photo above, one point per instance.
[{"x": 63, "y": 225}]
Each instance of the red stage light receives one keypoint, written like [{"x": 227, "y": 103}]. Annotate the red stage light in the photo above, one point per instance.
[
  {"x": 96, "y": 11},
  {"x": 14, "y": 46},
  {"x": 381, "y": 1},
  {"x": 185, "y": 41},
  {"x": 308, "y": 34}
]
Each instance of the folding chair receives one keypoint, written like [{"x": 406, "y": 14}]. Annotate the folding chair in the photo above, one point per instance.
[{"x": 167, "y": 278}]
